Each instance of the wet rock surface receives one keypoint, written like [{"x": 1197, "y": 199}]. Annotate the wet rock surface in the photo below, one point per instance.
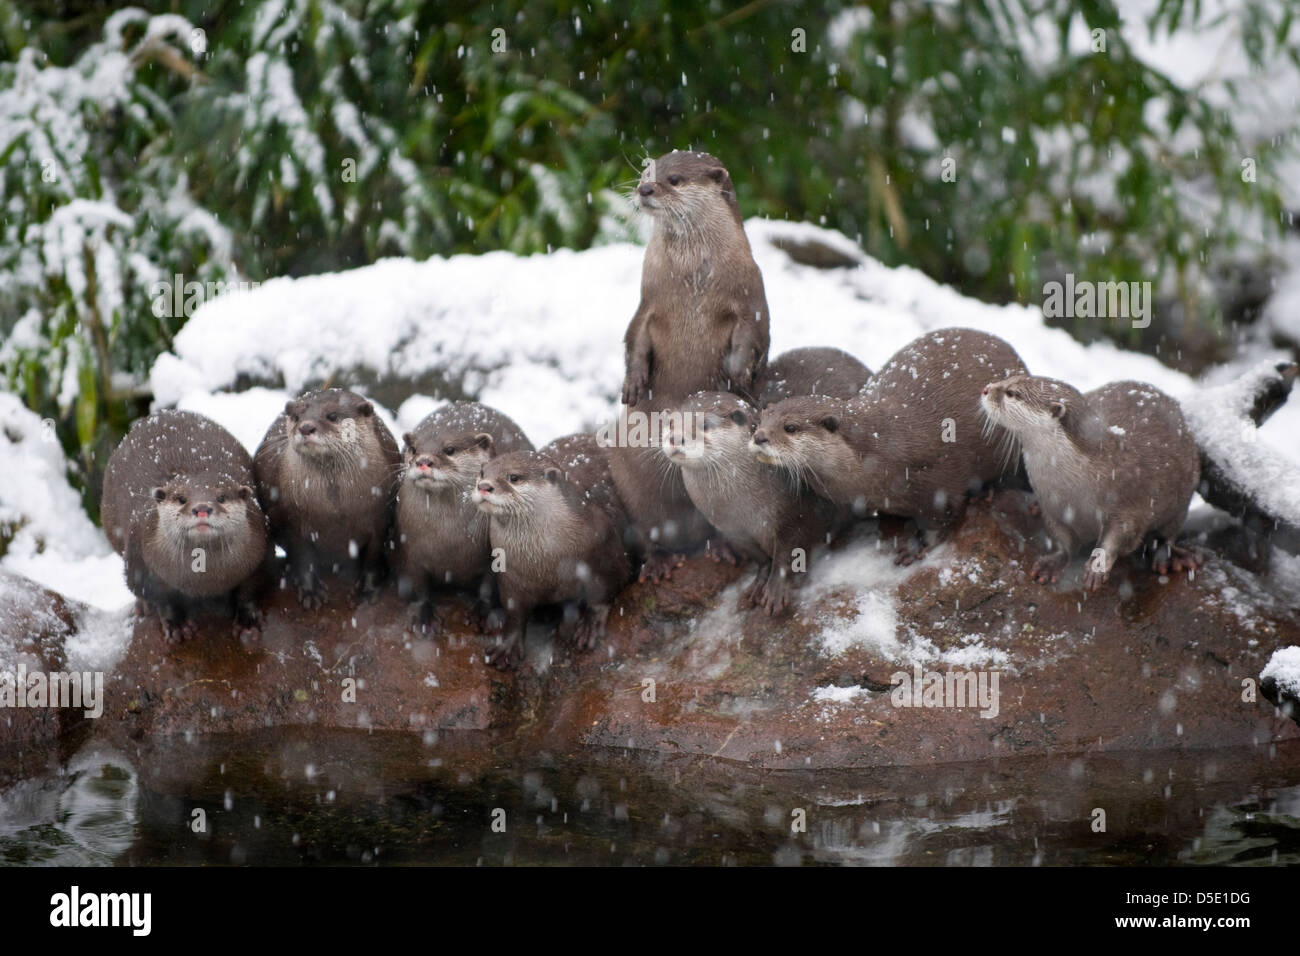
[{"x": 1149, "y": 663}]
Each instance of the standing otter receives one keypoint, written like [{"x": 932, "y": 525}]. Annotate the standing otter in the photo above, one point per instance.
[
  {"x": 702, "y": 324},
  {"x": 760, "y": 511},
  {"x": 1114, "y": 466},
  {"x": 555, "y": 526},
  {"x": 812, "y": 371},
  {"x": 913, "y": 444},
  {"x": 326, "y": 473},
  {"x": 440, "y": 536},
  {"x": 178, "y": 505}
]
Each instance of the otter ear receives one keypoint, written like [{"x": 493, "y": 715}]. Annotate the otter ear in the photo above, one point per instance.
[
  {"x": 160, "y": 494},
  {"x": 245, "y": 492},
  {"x": 408, "y": 441},
  {"x": 830, "y": 423},
  {"x": 739, "y": 417},
  {"x": 552, "y": 475},
  {"x": 1057, "y": 409},
  {"x": 365, "y": 409},
  {"x": 293, "y": 408},
  {"x": 483, "y": 440}
]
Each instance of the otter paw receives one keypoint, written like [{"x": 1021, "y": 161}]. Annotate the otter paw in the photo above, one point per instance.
[
  {"x": 776, "y": 595},
  {"x": 174, "y": 632},
  {"x": 1176, "y": 559},
  {"x": 311, "y": 598},
  {"x": 590, "y": 629},
  {"x": 249, "y": 635},
  {"x": 1047, "y": 569},
  {"x": 636, "y": 385},
  {"x": 660, "y": 566},
  {"x": 722, "y": 552},
  {"x": 1094, "y": 579},
  {"x": 506, "y": 655}
]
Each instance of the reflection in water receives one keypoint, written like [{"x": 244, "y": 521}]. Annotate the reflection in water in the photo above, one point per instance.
[
  {"x": 83, "y": 816},
  {"x": 294, "y": 797}
]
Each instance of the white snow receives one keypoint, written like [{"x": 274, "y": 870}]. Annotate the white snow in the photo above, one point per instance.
[
  {"x": 540, "y": 337},
  {"x": 1284, "y": 667}
]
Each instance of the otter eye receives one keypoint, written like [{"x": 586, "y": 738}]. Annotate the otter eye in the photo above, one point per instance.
[
  {"x": 332, "y": 416},
  {"x": 707, "y": 426},
  {"x": 791, "y": 428},
  {"x": 512, "y": 478},
  {"x": 221, "y": 499},
  {"x": 675, "y": 180},
  {"x": 180, "y": 499},
  {"x": 1011, "y": 393},
  {"x": 449, "y": 451}
]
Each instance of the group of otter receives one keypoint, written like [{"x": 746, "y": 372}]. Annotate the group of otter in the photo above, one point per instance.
[{"x": 748, "y": 458}]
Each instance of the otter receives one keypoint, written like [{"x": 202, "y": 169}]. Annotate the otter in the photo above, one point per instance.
[
  {"x": 555, "y": 529},
  {"x": 760, "y": 511},
  {"x": 1116, "y": 466},
  {"x": 327, "y": 473},
  {"x": 914, "y": 444},
  {"x": 179, "y": 506},
  {"x": 812, "y": 371},
  {"x": 702, "y": 324},
  {"x": 440, "y": 538}
]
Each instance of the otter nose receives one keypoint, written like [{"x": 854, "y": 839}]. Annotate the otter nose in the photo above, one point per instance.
[
  {"x": 985, "y": 390},
  {"x": 675, "y": 440},
  {"x": 485, "y": 487},
  {"x": 760, "y": 437},
  {"x": 202, "y": 511},
  {"x": 424, "y": 463},
  {"x": 646, "y": 189},
  {"x": 306, "y": 428}
]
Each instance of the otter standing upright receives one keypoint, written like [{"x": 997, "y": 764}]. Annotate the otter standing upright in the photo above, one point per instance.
[
  {"x": 702, "y": 325},
  {"x": 327, "y": 472},
  {"x": 179, "y": 507}
]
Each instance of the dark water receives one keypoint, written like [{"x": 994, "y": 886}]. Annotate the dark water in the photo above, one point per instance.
[{"x": 299, "y": 797}]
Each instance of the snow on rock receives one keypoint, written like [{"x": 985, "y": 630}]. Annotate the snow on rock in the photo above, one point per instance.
[
  {"x": 1219, "y": 417},
  {"x": 44, "y": 533},
  {"x": 1284, "y": 668},
  {"x": 541, "y": 337}
]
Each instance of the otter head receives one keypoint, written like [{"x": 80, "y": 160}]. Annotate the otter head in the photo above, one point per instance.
[
  {"x": 683, "y": 190},
  {"x": 1029, "y": 406},
  {"x": 192, "y": 510},
  {"x": 795, "y": 432},
  {"x": 445, "y": 459},
  {"x": 708, "y": 429},
  {"x": 326, "y": 424},
  {"x": 519, "y": 486}
]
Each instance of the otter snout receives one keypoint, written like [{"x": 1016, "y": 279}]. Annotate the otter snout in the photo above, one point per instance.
[
  {"x": 646, "y": 189},
  {"x": 307, "y": 428},
  {"x": 760, "y": 437}
]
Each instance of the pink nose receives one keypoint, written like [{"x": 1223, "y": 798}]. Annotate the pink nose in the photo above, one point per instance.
[{"x": 984, "y": 390}]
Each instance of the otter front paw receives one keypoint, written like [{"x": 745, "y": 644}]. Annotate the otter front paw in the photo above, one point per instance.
[
  {"x": 175, "y": 631},
  {"x": 660, "y": 566},
  {"x": 507, "y": 654},
  {"x": 1048, "y": 568},
  {"x": 636, "y": 384},
  {"x": 1176, "y": 559},
  {"x": 591, "y": 628},
  {"x": 775, "y": 596},
  {"x": 720, "y": 551}
]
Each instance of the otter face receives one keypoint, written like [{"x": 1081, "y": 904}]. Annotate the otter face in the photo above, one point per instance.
[
  {"x": 794, "y": 433},
  {"x": 519, "y": 485},
  {"x": 451, "y": 459},
  {"x": 327, "y": 423},
  {"x": 196, "y": 510},
  {"x": 679, "y": 186},
  {"x": 1027, "y": 405},
  {"x": 712, "y": 427}
]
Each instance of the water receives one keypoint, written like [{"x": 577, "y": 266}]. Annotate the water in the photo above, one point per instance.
[{"x": 302, "y": 797}]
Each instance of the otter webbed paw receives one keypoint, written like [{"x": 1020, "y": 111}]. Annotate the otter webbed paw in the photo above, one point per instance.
[
  {"x": 660, "y": 566},
  {"x": 591, "y": 628},
  {"x": 176, "y": 630},
  {"x": 507, "y": 654},
  {"x": 723, "y": 553},
  {"x": 636, "y": 384},
  {"x": 1048, "y": 568},
  {"x": 1173, "y": 558},
  {"x": 775, "y": 595}
]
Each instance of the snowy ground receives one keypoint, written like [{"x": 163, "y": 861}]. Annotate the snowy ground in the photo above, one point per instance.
[{"x": 539, "y": 337}]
